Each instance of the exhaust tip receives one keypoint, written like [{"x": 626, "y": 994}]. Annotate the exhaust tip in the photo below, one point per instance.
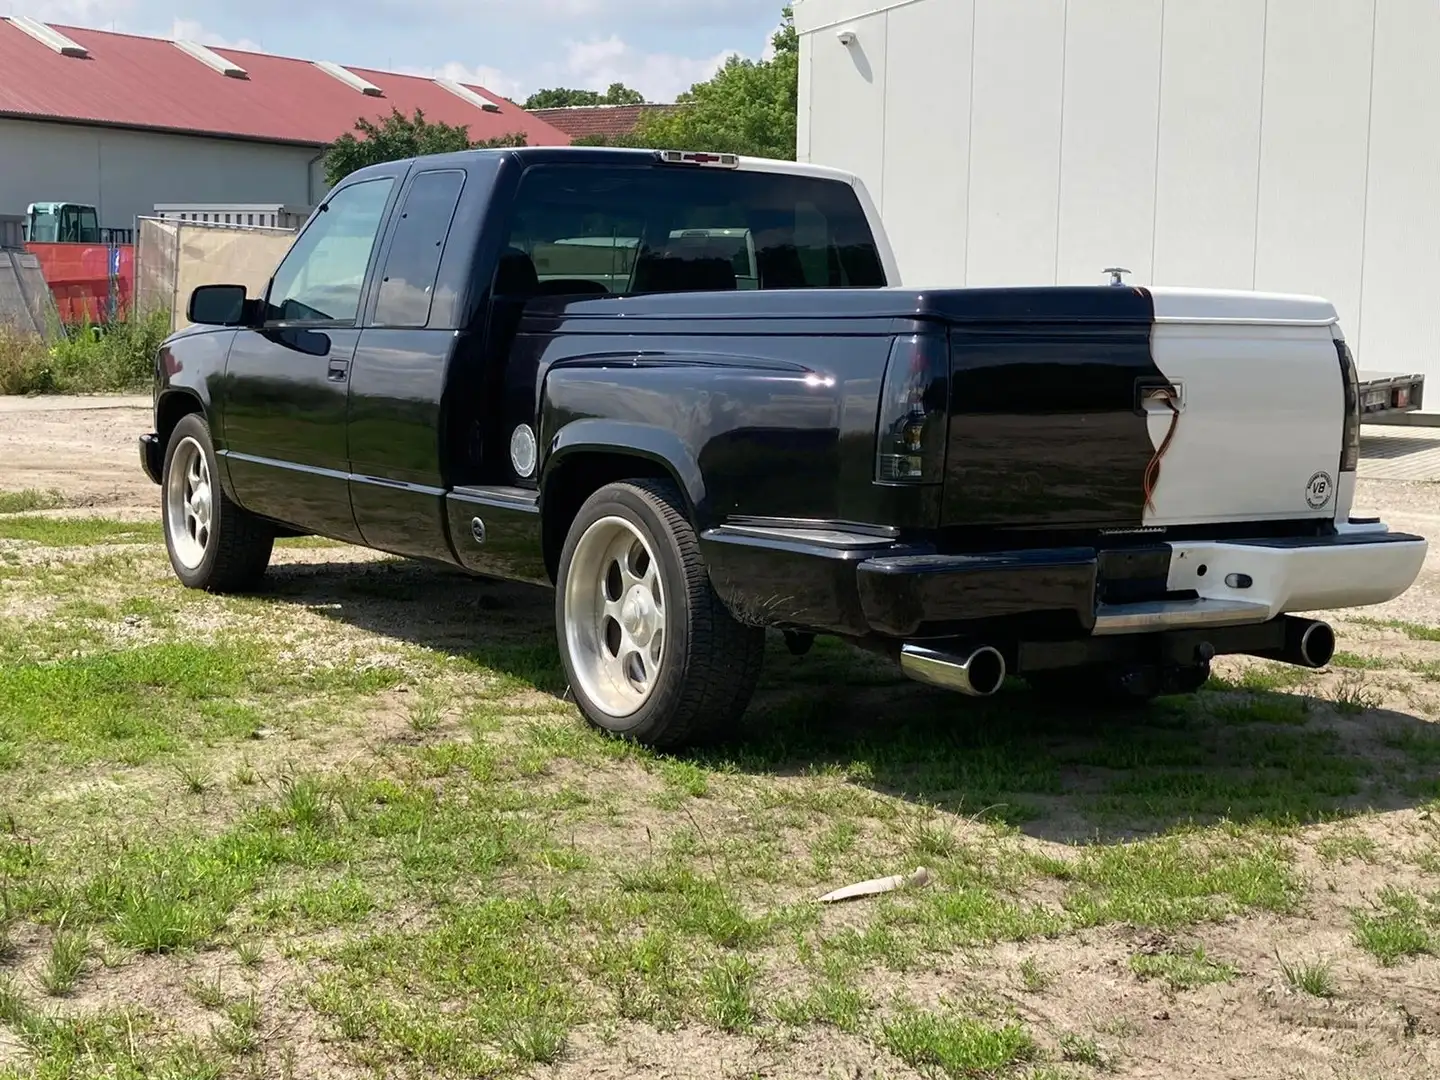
[
  {"x": 986, "y": 670},
  {"x": 1317, "y": 644},
  {"x": 978, "y": 673}
]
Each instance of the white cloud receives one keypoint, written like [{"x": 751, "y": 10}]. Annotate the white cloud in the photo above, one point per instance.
[
  {"x": 191, "y": 30},
  {"x": 768, "y": 53},
  {"x": 492, "y": 79},
  {"x": 594, "y": 65},
  {"x": 101, "y": 14},
  {"x": 591, "y": 65}
]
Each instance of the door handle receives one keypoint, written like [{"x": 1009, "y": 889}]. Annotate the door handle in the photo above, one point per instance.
[{"x": 338, "y": 370}]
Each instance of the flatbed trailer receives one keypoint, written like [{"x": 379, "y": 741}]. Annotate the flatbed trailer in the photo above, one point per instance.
[{"x": 1385, "y": 395}]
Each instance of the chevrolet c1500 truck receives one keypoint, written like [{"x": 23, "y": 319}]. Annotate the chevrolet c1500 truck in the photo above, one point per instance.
[{"x": 689, "y": 392}]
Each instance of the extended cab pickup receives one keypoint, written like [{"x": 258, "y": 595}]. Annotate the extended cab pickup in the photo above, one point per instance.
[{"x": 690, "y": 393}]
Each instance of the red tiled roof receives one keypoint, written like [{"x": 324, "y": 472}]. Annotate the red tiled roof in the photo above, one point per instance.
[
  {"x": 581, "y": 120},
  {"x": 143, "y": 82}
]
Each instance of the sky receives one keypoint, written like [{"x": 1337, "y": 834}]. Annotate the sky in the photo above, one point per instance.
[{"x": 513, "y": 47}]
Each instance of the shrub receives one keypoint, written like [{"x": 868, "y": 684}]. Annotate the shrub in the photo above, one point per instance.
[{"x": 85, "y": 360}]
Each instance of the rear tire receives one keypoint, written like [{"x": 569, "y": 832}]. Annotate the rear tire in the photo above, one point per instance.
[
  {"x": 213, "y": 543},
  {"x": 650, "y": 651}
]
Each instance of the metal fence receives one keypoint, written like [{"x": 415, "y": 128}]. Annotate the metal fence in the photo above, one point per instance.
[
  {"x": 26, "y": 304},
  {"x": 12, "y": 232},
  {"x": 172, "y": 257}
]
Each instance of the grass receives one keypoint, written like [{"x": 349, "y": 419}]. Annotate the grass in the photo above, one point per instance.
[
  {"x": 1340, "y": 847},
  {"x": 82, "y": 360},
  {"x": 1083, "y": 1051},
  {"x": 77, "y": 532},
  {"x": 69, "y": 950},
  {"x": 1398, "y": 925},
  {"x": 958, "y": 1046},
  {"x": 135, "y": 705},
  {"x": 1033, "y": 977},
  {"x": 1413, "y": 631},
  {"x": 1312, "y": 977},
  {"x": 126, "y": 1043},
  {"x": 1181, "y": 970},
  {"x": 1176, "y": 881},
  {"x": 28, "y": 499},
  {"x": 1353, "y": 695},
  {"x": 474, "y": 883}
]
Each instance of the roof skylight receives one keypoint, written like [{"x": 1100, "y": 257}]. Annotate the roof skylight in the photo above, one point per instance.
[
  {"x": 349, "y": 78},
  {"x": 49, "y": 37},
  {"x": 212, "y": 59}
]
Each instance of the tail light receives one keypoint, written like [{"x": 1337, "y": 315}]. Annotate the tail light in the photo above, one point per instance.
[
  {"x": 1350, "y": 441},
  {"x": 914, "y": 411}
]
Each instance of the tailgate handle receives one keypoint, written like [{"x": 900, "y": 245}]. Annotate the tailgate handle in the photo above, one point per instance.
[{"x": 1154, "y": 396}]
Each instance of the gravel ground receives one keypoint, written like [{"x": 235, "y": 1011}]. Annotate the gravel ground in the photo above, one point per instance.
[{"x": 1413, "y": 508}]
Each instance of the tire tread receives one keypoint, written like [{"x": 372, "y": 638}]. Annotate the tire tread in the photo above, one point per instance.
[
  {"x": 725, "y": 658},
  {"x": 243, "y": 542}
]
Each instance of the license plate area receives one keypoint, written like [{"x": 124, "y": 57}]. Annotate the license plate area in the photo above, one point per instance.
[{"x": 1133, "y": 575}]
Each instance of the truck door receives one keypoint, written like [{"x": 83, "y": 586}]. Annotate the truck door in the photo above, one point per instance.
[
  {"x": 287, "y": 381},
  {"x": 401, "y": 368}
]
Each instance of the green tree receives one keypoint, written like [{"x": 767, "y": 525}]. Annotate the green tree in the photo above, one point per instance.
[
  {"x": 749, "y": 107},
  {"x": 398, "y": 136},
  {"x": 565, "y": 98}
]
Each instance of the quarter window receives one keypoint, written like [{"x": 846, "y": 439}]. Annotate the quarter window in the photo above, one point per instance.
[
  {"x": 412, "y": 265},
  {"x": 321, "y": 278}
]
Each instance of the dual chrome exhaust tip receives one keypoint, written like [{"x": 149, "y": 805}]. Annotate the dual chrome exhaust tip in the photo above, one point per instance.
[{"x": 980, "y": 672}]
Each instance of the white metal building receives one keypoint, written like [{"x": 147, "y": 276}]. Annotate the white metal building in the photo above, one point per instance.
[{"x": 1280, "y": 145}]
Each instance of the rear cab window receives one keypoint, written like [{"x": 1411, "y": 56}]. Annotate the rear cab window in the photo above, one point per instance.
[{"x": 582, "y": 230}]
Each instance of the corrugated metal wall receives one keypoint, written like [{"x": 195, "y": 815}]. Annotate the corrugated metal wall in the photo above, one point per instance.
[{"x": 1281, "y": 145}]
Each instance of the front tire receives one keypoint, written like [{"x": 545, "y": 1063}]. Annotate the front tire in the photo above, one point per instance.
[
  {"x": 650, "y": 652},
  {"x": 213, "y": 543}
]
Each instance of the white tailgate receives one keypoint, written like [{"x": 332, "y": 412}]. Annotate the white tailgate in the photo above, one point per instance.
[{"x": 1263, "y": 407}]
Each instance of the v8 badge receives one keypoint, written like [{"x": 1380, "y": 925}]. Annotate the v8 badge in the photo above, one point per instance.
[{"x": 1319, "y": 490}]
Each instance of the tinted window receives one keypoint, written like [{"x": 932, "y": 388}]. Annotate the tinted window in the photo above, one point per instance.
[
  {"x": 413, "y": 263},
  {"x": 321, "y": 278},
  {"x": 666, "y": 229}
]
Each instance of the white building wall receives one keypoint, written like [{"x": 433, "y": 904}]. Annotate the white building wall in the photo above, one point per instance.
[
  {"x": 1282, "y": 145},
  {"x": 1017, "y": 72},
  {"x": 1207, "y": 185},
  {"x": 125, "y": 173}
]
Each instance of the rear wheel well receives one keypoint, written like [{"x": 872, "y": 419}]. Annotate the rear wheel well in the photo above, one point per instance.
[
  {"x": 577, "y": 478},
  {"x": 173, "y": 408}
]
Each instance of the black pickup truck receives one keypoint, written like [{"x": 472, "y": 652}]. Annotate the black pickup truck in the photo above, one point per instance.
[{"x": 689, "y": 392}]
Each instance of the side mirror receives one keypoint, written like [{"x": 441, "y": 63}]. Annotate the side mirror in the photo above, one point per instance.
[{"x": 218, "y": 305}]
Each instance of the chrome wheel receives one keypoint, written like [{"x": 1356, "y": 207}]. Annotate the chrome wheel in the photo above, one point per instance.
[
  {"x": 615, "y": 616},
  {"x": 189, "y": 503}
]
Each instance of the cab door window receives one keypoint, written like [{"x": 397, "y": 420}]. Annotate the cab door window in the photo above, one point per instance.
[{"x": 322, "y": 277}]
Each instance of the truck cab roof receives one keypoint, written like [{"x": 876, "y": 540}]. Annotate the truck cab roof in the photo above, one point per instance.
[{"x": 603, "y": 155}]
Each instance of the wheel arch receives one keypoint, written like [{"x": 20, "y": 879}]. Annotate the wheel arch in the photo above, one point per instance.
[
  {"x": 585, "y": 461},
  {"x": 172, "y": 407}
]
